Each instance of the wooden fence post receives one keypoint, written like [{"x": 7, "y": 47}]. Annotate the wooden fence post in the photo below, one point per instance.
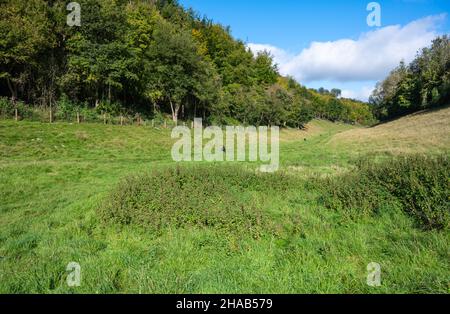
[
  {"x": 165, "y": 123},
  {"x": 104, "y": 118},
  {"x": 16, "y": 114},
  {"x": 51, "y": 115},
  {"x": 78, "y": 117},
  {"x": 121, "y": 120}
]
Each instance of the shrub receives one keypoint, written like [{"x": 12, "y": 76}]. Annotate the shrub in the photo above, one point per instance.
[
  {"x": 112, "y": 108},
  {"x": 89, "y": 114},
  {"x": 192, "y": 196},
  {"x": 24, "y": 111},
  {"x": 6, "y": 108},
  {"x": 66, "y": 110},
  {"x": 420, "y": 184}
]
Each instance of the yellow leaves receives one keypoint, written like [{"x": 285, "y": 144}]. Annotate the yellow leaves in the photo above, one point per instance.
[
  {"x": 283, "y": 82},
  {"x": 91, "y": 78},
  {"x": 154, "y": 96},
  {"x": 199, "y": 38},
  {"x": 197, "y": 34}
]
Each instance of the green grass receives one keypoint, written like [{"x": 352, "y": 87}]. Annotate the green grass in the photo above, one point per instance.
[
  {"x": 418, "y": 184},
  {"x": 56, "y": 178}
]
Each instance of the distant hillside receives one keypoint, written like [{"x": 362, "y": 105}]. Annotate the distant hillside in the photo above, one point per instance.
[{"x": 426, "y": 131}]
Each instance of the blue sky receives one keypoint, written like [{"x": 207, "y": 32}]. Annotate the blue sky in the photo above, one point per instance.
[{"x": 328, "y": 43}]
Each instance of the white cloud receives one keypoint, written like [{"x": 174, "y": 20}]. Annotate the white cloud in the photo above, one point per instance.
[
  {"x": 368, "y": 58},
  {"x": 280, "y": 56},
  {"x": 361, "y": 94}
]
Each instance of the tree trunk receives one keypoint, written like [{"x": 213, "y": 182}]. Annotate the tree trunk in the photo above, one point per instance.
[
  {"x": 175, "y": 110},
  {"x": 13, "y": 91}
]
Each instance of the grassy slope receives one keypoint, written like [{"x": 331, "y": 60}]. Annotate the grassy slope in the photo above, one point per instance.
[
  {"x": 52, "y": 178},
  {"x": 420, "y": 132}
]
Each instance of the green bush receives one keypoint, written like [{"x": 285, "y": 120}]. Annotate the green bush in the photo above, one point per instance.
[
  {"x": 26, "y": 112},
  {"x": 66, "y": 110},
  {"x": 112, "y": 108},
  {"x": 6, "y": 108},
  {"x": 192, "y": 196},
  {"x": 419, "y": 184}
]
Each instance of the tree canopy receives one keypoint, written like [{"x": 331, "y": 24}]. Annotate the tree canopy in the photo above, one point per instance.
[
  {"x": 151, "y": 57},
  {"x": 423, "y": 84}
]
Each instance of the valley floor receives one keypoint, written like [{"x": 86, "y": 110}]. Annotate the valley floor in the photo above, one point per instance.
[{"x": 53, "y": 177}]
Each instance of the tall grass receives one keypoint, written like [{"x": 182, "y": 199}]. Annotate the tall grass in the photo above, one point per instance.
[
  {"x": 419, "y": 184},
  {"x": 72, "y": 168},
  {"x": 218, "y": 197}
]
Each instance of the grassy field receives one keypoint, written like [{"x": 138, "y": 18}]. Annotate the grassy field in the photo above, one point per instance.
[{"x": 55, "y": 180}]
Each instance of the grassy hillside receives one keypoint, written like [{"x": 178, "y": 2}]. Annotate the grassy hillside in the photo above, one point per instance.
[
  {"x": 56, "y": 181},
  {"x": 420, "y": 132}
]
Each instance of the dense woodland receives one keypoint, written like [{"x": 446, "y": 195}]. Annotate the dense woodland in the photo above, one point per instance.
[
  {"x": 152, "y": 57},
  {"x": 423, "y": 84}
]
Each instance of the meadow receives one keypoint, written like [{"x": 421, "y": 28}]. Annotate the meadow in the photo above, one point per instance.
[{"x": 92, "y": 194}]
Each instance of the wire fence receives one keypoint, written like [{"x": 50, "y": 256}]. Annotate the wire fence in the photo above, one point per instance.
[{"x": 22, "y": 112}]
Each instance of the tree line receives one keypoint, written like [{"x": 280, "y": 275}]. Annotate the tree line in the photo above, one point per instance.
[
  {"x": 423, "y": 84},
  {"x": 152, "y": 57}
]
